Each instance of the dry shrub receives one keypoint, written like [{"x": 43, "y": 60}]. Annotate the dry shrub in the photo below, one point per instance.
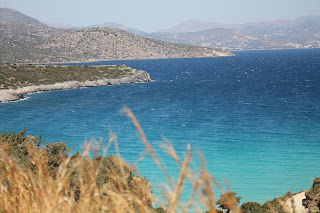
[{"x": 74, "y": 187}]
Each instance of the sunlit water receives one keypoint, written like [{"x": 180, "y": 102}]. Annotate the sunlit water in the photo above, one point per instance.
[{"x": 255, "y": 117}]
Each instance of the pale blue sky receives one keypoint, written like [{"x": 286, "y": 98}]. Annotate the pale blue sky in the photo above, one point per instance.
[{"x": 151, "y": 15}]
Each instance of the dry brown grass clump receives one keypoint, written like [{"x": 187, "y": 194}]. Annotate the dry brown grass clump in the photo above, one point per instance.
[{"x": 74, "y": 187}]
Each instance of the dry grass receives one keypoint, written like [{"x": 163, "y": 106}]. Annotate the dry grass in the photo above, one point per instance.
[
  {"x": 24, "y": 190},
  {"x": 203, "y": 185}
]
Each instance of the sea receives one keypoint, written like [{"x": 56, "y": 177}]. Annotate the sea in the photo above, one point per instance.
[{"x": 255, "y": 118}]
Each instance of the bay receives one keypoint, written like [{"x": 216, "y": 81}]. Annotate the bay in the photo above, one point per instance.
[{"x": 255, "y": 117}]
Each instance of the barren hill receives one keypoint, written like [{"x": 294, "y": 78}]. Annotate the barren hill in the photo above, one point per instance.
[
  {"x": 25, "y": 41},
  {"x": 11, "y": 15}
]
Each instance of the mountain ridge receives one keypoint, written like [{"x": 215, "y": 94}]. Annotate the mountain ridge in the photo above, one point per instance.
[
  {"x": 30, "y": 43},
  {"x": 194, "y": 25},
  {"x": 197, "y": 25},
  {"x": 12, "y": 15},
  {"x": 303, "y": 32},
  {"x": 27, "y": 40}
]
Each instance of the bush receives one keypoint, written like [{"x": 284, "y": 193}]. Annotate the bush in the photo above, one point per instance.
[
  {"x": 252, "y": 207},
  {"x": 17, "y": 146},
  {"x": 229, "y": 201},
  {"x": 40, "y": 177},
  {"x": 160, "y": 210},
  {"x": 275, "y": 205}
]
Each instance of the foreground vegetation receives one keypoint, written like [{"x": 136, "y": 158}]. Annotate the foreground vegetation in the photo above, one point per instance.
[
  {"x": 45, "y": 177},
  {"x": 13, "y": 76}
]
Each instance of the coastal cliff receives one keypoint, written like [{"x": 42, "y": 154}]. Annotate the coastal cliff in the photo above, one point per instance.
[{"x": 128, "y": 76}]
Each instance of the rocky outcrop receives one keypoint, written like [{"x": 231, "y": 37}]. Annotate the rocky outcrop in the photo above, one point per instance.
[
  {"x": 295, "y": 203},
  {"x": 312, "y": 197},
  {"x": 17, "y": 94}
]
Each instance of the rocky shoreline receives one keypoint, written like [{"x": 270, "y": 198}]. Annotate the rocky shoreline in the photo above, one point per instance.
[{"x": 17, "y": 94}]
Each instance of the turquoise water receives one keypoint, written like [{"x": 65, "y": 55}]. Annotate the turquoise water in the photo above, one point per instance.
[{"x": 255, "y": 117}]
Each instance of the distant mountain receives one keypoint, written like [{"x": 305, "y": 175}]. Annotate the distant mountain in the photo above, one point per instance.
[
  {"x": 300, "y": 33},
  {"x": 218, "y": 37},
  {"x": 11, "y": 15},
  {"x": 59, "y": 25},
  {"x": 195, "y": 25},
  {"x": 119, "y": 26}
]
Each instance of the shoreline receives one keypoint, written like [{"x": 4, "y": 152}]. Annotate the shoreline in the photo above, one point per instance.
[
  {"x": 273, "y": 49},
  {"x": 10, "y": 95},
  {"x": 228, "y": 54}
]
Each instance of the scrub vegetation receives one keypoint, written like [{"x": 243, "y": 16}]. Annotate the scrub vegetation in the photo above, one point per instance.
[{"x": 13, "y": 76}]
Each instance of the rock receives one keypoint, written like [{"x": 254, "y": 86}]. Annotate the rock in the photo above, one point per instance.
[
  {"x": 9, "y": 95},
  {"x": 295, "y": 203}
]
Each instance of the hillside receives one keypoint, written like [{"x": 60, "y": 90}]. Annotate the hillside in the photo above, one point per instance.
[
  {"x": 120, "y": 27},
  {"x": 218, "y": 37},
  {"x": 11, "y": 15},
  {"x": 195, "y": 25},
  {"x": 301, "y": 33},
  {"x": 26, "y": 43},
  {"x": 26, "y": 40}
]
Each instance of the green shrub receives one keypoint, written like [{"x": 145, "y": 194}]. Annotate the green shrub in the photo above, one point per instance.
[
  {"x": 17, "y": 146},
  {"x": 252, "y": 207},
  {"x": 274, "y": 205}
]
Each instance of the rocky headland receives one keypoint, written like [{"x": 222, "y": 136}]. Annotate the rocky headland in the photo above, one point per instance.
[{"x": 128, "y": 76}]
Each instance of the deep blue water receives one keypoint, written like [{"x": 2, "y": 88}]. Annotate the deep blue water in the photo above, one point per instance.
[{"x": 255, "y": 117}]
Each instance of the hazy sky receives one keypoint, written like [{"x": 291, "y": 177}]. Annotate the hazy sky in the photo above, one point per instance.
[{"x": 151, "y": 15}]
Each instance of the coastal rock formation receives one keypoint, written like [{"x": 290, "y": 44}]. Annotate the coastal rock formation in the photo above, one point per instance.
[
  {"x": 312, "y": 197},
  {"x": 9, "y": 95},
  {"x": 295, "y": 203},
  {"x": 17, "y": 94}
]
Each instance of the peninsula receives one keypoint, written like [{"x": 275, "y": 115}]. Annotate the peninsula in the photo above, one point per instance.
[{"x": 17, "y": 80}]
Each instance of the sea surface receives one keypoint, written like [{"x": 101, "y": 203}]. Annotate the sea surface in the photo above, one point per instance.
[{"x": 255, "y": 117}]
